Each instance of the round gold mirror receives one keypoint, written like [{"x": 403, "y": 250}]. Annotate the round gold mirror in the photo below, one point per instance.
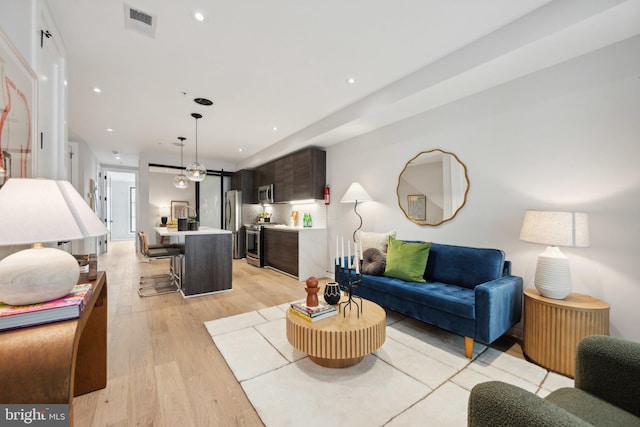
[{"x": 432, "y": 187}]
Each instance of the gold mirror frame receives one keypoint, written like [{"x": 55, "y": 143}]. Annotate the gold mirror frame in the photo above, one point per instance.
[{"x": 421, "y": 206}]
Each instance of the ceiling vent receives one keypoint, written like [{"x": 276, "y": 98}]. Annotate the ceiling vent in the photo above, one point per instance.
[{"x": 140, "y": 21}]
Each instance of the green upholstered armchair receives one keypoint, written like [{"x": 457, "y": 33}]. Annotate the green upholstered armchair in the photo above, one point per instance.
[{"x": 606, "y": 393}]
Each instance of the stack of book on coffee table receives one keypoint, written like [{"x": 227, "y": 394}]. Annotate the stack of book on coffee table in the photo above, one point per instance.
[{"x": 313, "y": 314}]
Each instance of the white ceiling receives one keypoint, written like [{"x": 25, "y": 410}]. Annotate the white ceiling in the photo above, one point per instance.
[{"x": 285, "y": 63}]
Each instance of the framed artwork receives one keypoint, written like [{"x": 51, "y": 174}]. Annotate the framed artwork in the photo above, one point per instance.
[
  {"x": 417, "y": 206},
  {"x": 18, "y": 87},
  {"x": 176, "y": 208}
]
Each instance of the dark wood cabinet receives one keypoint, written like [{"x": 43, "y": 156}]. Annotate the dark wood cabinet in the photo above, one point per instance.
[
  {"x": 207, "y": 263},
  {"x": 309, "y": 174},
  {"x": 298, "y": 176},
  {"x": 242, "y": 180},
  {"x": 284, "y": 181},
  {"x": 281, "y": 250}
]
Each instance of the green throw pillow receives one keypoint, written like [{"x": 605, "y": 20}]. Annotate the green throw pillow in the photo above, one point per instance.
[{"x": 406, "y": 261}]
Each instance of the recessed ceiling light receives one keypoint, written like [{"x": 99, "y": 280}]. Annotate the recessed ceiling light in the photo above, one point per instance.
[
  {"x": 203, "y": 101},
  {"x": 198, "y": 15},
  {"x": 240, "y": 150},
  {"x": 275, "y": 128},
  {"x": 109, "y": 130},
  {"x": 351, "y": 80},
  {"x": 97, "y": 90}
]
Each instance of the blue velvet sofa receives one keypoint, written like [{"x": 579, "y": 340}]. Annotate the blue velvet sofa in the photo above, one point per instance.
[{"x": 468, "y": 291}]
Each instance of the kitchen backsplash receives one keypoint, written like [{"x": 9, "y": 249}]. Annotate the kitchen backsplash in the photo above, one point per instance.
[{"x": 281, "y": 213}]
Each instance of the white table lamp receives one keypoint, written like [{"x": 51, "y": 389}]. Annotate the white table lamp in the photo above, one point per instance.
[
  {"x": 356, "y": 193},
  {"x": 553, "y": 277},
  {"x": 37, "y": 211}
]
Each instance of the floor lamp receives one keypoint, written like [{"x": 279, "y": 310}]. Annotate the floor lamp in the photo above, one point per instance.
[
  {"x": 356, "y": 194},
  {"x": 553, "y": 278}
]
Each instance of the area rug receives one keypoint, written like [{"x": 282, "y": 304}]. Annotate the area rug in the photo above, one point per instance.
[{"x": 420, "y": 375}]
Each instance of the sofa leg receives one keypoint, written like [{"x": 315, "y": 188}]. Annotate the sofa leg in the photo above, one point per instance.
[{"x": 468, "y": 347}]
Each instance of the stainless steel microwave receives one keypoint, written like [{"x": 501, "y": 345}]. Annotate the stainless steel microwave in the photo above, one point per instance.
[{"x": 265, "y": 194}]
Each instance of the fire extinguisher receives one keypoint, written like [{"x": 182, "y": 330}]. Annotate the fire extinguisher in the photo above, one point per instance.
[{"x": 327, "y": 195}]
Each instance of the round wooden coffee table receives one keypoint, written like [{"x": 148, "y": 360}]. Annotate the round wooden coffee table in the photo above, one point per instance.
[{"x": 339, "y": 341}]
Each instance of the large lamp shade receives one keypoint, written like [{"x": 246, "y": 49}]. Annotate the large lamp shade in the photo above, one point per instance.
[{"x": 37, "y": 211}]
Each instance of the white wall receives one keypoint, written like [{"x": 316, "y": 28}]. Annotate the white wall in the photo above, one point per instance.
[
  {"x": 565, "y": 138},
  {"x": 148, "y": 216}
]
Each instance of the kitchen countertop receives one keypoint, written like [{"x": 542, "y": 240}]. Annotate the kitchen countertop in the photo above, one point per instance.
[
  {"x": 289, "y": 228},
  {"x": 170, "y": 231}
]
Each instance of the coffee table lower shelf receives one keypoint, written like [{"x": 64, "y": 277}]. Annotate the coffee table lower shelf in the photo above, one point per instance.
[{"x": 339, "y": 341}]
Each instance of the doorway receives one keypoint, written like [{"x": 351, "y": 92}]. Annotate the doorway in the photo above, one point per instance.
[{"x": 118, "y": 207}]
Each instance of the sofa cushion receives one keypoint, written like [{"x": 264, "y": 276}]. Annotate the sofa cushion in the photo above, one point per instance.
[
  {"x": 463, "y": 266},
  {"x": 406, "y": 261},
  {"x": 373, "y": 262},
  {"x": 369, "y": 239},
  {"x": 436, "y": 295}
]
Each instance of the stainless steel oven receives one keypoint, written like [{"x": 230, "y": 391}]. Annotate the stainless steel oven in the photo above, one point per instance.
[{"x": 255, "y": 245}]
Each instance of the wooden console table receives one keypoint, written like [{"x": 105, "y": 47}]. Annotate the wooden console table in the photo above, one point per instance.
[
  {"x": 553, "y": 328},
  {"x": 53, "y": 362}
]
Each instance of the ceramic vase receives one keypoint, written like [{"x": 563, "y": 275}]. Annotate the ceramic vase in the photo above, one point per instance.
[{"x": 332, "y": 293}]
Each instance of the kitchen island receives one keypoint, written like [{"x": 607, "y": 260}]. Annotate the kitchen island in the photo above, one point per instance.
[{"x": 208, "y": 255}]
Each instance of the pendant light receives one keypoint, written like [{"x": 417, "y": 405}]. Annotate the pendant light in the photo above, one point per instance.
[
  {"x": 196, "y": 171},
  {"x": 181, "y": 181}
]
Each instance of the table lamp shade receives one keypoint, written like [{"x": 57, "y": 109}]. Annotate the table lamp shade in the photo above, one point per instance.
[
  {"x": 40, "y": 211},
  {"x": 556, "y": 228},
  {"x": 553, "y": 277}
]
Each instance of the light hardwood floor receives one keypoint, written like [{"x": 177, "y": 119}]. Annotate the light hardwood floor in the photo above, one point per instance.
[{"x": 163, "y": 369}]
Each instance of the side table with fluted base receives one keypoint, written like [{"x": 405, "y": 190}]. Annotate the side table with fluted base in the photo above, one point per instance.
[
  {"x": 339, "y": 341},
  {"x": 553, "y": 328}
]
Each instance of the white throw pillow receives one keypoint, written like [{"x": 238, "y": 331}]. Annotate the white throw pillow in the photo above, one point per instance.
[{"x": 374, "y": 240}]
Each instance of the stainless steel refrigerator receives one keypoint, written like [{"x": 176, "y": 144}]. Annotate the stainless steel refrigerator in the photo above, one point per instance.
[{"x": 233, "y": 220}]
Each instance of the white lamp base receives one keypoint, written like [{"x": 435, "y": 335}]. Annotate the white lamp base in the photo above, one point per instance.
[
  {"x": 37, "y": 275},
  {"x": 553, "y": 278}
]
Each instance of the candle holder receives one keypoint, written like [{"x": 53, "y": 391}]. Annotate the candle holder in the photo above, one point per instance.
[{"x": 350, "y": 284}]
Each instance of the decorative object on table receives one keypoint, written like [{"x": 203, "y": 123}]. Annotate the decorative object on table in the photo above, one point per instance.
[
  {"x": 181, "y": 181},
  {"x": 88, "y": 264},
  {"x": 50, "y": 211},
  {"x": 553, "y": 228},
  {"x": 294, "y": 218},
  {"x": 344, "y": 267},
  {"x": 356, "y": 194},
  {"x": 332, "y": 293},
  {"x": 163, "y": 221},
  {"x": 312, "y": 291},
  {"x": 68, "y": 307},
  {"x": 313, "y": 314},
  {"x": 196, "y": 171}
]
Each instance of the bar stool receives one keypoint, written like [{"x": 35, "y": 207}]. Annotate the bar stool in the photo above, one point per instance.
[{"x": 160, "y": 284}]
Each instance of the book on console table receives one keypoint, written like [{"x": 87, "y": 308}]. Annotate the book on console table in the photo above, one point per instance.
[
  {"x": 321, "y": 308},
  {"x": 324, "y": 315},
  {"x": 67, "y": 307}
]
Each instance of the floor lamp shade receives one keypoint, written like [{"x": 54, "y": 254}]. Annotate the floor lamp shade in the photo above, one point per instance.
[
  {"x": 356, "y": 193},
  {"x": 553, "y": 276},
  {"x": 36, "y": 211}
]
